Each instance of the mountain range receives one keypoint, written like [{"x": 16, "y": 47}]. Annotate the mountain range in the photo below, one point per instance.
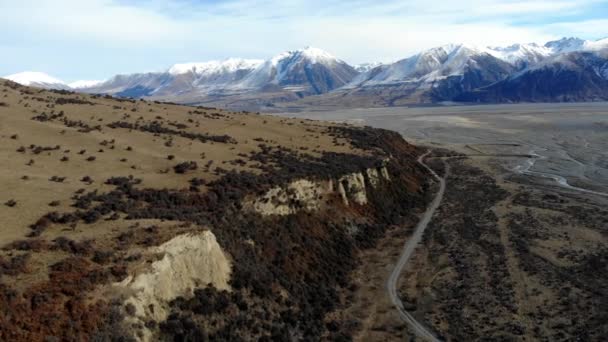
[{"x": 569, "y": 69}]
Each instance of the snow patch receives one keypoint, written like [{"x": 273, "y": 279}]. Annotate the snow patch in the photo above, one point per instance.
[
  {"x": 29, "y": 78},
  {"x": 84, "y": 84},
  {"x": 365, "y": 67},
  {"x": 215, "y": 67}
]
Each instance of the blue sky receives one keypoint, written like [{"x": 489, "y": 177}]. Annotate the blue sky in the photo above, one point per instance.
[{"x": 95, "y": 39}]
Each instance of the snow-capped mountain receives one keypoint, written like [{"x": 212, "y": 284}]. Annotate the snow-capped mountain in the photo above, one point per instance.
[
  {"x": 447, "y": 72},
  {"x": 566, "y": 77},
  {"x": 205, "y": 77},
  {"x": 521, "y": 55},
  {"x": 455, "y": 59},
  {"x": 213, "y": 76},
  {"x": 442, "y": 73},
  {"x": 306, "y": 71},
  {"x": 303, "y": 72},
  {"x": 37, "y": 79},
  {"x": 576, "y": 44},
  {"x": 434, "y": 65}
]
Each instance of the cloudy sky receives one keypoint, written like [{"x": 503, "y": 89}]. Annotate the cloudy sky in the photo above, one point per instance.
[{"x": 94, "y": 39}]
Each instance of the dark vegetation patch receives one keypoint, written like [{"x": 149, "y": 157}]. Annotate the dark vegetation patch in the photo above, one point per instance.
[
  {"x": 465, "y": 232},
  {"x": 184, "y": 167},
  {"x": 367, "y": 138},
  {"x": 14, "y": 266},
  {"x": 592, "y": 216},
  {"x": 13, "y": 85},
  {"x": 61, "y": 91},
  {"x": 77, "y": 101},
  {"x": 35, "y": 149},
  {"x": 82, "y": 126},
  {"x": 206, "y": 112},
  {"x": 157, "y": 127},
  {"x": 474, "y": 296},
  {"x": 33, "y": 315},
  {"x": 579, "y": 283}
]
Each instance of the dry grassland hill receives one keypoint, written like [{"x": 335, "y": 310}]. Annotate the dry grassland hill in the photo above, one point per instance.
[{"x": 138, "y": 220}]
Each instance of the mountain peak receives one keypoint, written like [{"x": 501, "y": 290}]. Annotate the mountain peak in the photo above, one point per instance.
[
  {"x": 312, "y": 54},
  {"x": 566, "y": 44}
]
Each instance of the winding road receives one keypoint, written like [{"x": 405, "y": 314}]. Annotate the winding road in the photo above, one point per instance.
[{"x": 391, "y": 284}]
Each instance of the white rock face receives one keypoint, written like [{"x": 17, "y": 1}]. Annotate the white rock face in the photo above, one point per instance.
[
  {"x": 354, "y": 186},
  {"x": 304, "y": 194},
  {"x": 300, "y": 194},
  {"x": 189, "y": 261}
]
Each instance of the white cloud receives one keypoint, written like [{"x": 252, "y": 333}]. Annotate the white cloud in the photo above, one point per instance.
[
  {"x": 91, "y": 19},
  {"x": 594, "y": 29}
]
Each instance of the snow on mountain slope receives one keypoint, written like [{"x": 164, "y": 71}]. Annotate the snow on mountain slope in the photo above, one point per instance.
[
  {"x": 566, "y": 45},
  {"x": 203, "y": 77},
  {"x": 365, "y": 67},
  {"x": 132, "y": 85},
  {"x": 37, "y": 79},
  {"x": 576, "y": 44},
  {"x": 308, "y": 70},
  {"x": 447, "y": 70},
  {"x": 455, "y": 59},
  {"x": 84, "y": 84},
  {"x": 426, "y": 67},
  {"x": 215, "y": 67},
  {"x": 566, "y": 77},
  {"x": 525, "y": 54}
]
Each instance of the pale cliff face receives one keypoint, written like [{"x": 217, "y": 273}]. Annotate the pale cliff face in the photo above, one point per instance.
[
  {"x": 188, "y": 261},
  {"x": 309, "y": 195}
]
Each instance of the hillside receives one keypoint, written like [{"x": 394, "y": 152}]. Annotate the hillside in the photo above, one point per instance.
[{"x": 127, "y": 219}]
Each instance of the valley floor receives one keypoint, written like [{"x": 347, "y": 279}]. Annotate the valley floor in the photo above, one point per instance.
[
  {"x": 504, "y": 258},
  {"x": 519, "y": 246}
]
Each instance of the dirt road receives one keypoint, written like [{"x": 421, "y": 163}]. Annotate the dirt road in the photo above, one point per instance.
[{"x": 408, "y": 250}]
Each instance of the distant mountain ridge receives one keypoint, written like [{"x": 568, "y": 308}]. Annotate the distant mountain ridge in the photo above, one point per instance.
[
  {"x": 453, "y": 72},
  {"x": 569, "y": 77}
]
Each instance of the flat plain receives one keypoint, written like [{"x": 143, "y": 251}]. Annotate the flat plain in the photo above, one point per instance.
[{"x": 518, "y": 250}]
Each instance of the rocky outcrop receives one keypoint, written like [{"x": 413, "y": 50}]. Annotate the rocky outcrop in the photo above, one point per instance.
[
  {"x": 304, "y": 194},
  {"x": 188, "y": 261}
]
